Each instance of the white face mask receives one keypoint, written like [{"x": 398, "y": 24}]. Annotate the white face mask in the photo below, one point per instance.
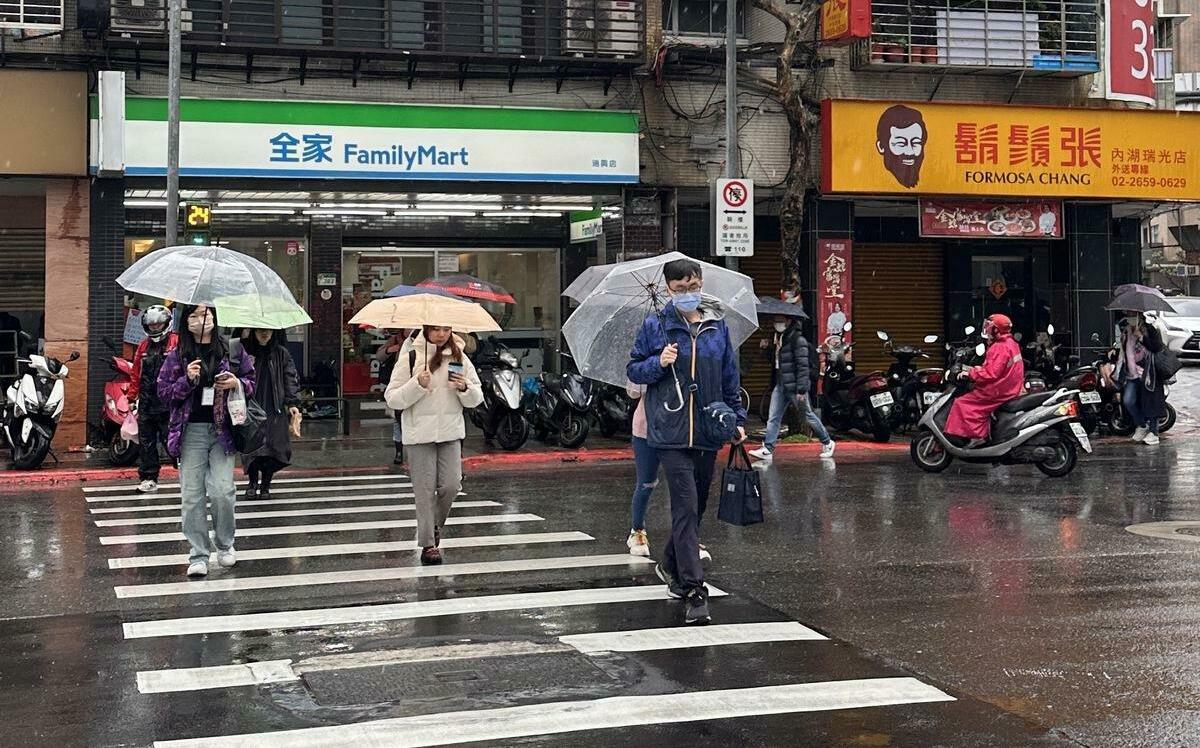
[
  {"x": 200, "y": 327},
  {"x": 780, "y": 326}
]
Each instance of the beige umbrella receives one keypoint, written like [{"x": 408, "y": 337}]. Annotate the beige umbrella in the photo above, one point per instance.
[{"x": 417, "y": 310}]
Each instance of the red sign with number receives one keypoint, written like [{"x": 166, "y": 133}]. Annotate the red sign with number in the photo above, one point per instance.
[{"x": 1129, "y": 46}]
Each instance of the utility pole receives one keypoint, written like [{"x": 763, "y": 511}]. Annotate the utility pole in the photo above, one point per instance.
[
  {"x": 174, "y": 44},
  {"x": 731, "y": 109}
]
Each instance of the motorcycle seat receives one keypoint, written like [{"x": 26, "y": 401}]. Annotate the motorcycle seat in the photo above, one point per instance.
[{"x": 1025, "y": 402}]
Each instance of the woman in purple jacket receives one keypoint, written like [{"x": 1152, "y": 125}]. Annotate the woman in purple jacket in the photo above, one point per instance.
[{"x": 195, "y": 382}]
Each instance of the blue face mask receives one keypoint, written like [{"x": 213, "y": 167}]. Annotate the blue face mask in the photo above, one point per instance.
[{"x": 687, "y": 302}]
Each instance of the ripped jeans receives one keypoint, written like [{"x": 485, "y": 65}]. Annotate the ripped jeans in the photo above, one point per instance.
[{"x": 646, "y": 459}]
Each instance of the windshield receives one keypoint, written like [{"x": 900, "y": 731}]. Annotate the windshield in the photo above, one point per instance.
[{"x": 1186, "y": 307}]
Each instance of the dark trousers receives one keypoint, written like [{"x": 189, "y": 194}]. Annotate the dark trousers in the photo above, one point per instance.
[
  {"x": 152, "y": 428},
  {"x": 689, "y": 474}
]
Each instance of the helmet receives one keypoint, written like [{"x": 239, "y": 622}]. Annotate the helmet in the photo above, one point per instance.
[
  {"x": 156, "y": 321},
  {"x": 997, "y": 324}
]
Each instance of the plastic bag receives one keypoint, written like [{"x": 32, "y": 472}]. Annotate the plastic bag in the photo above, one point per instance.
[
  {"x": 129, "y": 427},
  {"x": 235, "y": 401}
]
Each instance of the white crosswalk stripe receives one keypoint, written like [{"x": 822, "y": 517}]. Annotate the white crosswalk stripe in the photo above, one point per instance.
[{"x": 465, "y": 589}]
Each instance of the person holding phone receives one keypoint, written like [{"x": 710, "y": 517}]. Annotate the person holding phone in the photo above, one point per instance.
[
  {"x": 194, "y": 383},
  {"x": 430, "y": 388}
]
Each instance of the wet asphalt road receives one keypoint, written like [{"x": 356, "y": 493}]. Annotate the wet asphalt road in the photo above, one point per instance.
[{"x": 1022, "y": 596}]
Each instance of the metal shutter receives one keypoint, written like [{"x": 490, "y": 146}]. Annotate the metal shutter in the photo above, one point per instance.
[
  {"x": 23, "y": 259},
  {"x": 898, "y": 288}
]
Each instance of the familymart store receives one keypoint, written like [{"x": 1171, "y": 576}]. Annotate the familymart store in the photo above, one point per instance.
[{"x": 347, "y": 200}]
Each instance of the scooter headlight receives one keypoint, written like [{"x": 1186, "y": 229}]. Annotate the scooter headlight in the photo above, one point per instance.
[
  {"x": 110, "y": 403},
  {"x": 508, "y": 358}
]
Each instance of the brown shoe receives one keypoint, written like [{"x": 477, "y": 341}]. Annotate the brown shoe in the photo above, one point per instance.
[{"x": 431, "y": 556}]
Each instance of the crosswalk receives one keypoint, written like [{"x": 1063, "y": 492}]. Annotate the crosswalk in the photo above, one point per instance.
[{"x": 329, "y": 632}]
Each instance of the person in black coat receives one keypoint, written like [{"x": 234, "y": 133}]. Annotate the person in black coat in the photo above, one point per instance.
[
  {"x": 278, "y": 392},
  {"x": 794, "y": 362}
]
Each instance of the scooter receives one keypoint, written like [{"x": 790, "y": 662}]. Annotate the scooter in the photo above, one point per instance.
[
  {"x": 612, "y": 409},
  {"x": 1048, "y": 369},
  {"x": 501, "y": 416},
  {"x": 32, "y": 408},
  {"x": 912, "y": 388},
  {"x": 1041, "y": 428},
  {"x": 850, "y": 401},
  {"x": 560, "y": 408},
  {"x": 121, "y": 451}
]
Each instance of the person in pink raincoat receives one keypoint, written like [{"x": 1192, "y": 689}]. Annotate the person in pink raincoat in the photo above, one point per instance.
[{"x": 1000, "y": 379}]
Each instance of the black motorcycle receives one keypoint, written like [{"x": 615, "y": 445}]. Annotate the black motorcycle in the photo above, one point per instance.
[
  {"x": 912, "y": 388},
  {"x": 852, "y": 401},
  {"x": 500, "y": 416},
  {"x": 561, "y": 407},
  {"x": 612, "y": 410}
]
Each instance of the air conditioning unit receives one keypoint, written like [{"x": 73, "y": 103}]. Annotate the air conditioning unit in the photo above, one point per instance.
[
  {"x": 145, "y": 17},
  {"x": 607, "y": 28}
]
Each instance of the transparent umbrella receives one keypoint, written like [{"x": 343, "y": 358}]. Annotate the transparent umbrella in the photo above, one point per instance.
[
  {"x": 204, "y": 275},
  {"x": 601, "y": 332},
  {"x": 263, "y": 313}
]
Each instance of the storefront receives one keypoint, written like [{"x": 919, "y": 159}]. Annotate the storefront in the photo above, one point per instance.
[
  {"x": 347, "y": 200},
  {"x": 933, "y": 216}
]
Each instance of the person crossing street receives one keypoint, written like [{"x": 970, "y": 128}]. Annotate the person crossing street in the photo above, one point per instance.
[
  {"x": 793, "y": 361},
  {"x": 152, "y": 412}
]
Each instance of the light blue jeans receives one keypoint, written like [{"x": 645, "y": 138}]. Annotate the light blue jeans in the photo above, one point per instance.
[
  {"x": 645, "y": 458},
  {"x": 775, "y": 418},
  {"x": 206, "y": 472}
]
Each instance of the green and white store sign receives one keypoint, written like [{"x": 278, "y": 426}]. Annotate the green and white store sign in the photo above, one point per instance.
[{"x": 305, "y": 139}]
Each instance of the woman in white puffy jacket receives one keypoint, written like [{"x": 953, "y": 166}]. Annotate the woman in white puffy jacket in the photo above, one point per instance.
[{"x": 432, "y": 382}]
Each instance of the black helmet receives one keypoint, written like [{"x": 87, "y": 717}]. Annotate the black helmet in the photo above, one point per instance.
[{"x": 156, "y": 321}]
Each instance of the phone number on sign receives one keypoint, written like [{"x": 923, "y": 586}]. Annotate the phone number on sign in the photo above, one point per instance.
[{"x": 1167, "y": 182}]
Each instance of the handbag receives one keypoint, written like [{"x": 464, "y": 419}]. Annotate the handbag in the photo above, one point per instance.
[
  {"x": 245, "y": 414},
  {"x": 1166, "y": 364},
  {"x": 718, "y": 422},
  {"x": 741, "y": 492}
]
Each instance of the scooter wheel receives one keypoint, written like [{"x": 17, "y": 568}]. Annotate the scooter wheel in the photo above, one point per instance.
[
  {"x": 1168, "y": 420},
  {"x": 1120, "y": 423},
  {"x": 1063, "y": 461},
  {"x": 34, "y": 453},
  {"x": 928, "y": 453},
  {"x": 122, "y": 453},
  {"x": 574, "y": 431},
  {"x": 512, "y": 431}
]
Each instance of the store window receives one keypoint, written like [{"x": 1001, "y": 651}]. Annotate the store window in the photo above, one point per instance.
[
  {"x": 699, "y": 17},
  {"x": 531, "y": 276}
]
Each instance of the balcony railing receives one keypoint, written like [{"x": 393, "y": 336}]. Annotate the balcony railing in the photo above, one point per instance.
[
  {"x": 31, "y": 15},
  {"x": 561, "y": 29},
  {"x": 1048, "y": 36}
]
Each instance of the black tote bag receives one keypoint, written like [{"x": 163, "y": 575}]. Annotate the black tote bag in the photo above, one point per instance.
[{"x": 741, "y": 492}]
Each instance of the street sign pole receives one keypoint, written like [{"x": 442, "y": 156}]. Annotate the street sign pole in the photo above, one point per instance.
[
  {"x": 731, "y": 109},
  {"x": 174, "y": 44}
]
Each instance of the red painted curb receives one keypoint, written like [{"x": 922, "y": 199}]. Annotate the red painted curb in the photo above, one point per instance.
[{"x": 14, "y": 480}]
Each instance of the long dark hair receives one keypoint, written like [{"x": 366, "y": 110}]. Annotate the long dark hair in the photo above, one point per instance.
[
  {"x": 256, "y": 349},
  {"x": 435, "y": 361},
  {"x": 189, "y": 349}
]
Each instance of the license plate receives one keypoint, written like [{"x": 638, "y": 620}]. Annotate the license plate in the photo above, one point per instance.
[
  {"x": 1089, "y": 398},
  {"x": 1081, "y": 435},
  {"x": 883, "y": 398},
  {"x": 929, "y": 398}
]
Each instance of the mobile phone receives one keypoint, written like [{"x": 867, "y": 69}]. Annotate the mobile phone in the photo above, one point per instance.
[{"x": 456, "y": 368}]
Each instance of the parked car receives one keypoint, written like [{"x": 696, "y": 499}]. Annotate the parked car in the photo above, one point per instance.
[{"x": 1183, "y": 326}]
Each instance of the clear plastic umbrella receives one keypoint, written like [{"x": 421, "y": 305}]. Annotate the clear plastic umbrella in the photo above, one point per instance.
[
  {"x": 204, "y": 275},
  {"x": 600, "y": 333}
]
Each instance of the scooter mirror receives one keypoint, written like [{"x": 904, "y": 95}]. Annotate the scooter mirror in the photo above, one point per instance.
[
  {"x": 1049, "y": 329},
  {"x": 848, "y": 327},
  {"x": 970, "y": 330},
  {"x": 931, "y": 339},
  {"x": 949, "y": 347},
  {"x": 980, "y": 349},
  {"x": 1018, "y": 337},
  {"x": 1095, "y": 337},
  {"x": 73, "y": 357},
  {"x": 881, "y": 335}
]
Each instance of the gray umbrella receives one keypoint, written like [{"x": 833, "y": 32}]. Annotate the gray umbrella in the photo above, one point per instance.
[
  {"x": 1138, "y": 298},
  {"x": 769, "y": 306}
]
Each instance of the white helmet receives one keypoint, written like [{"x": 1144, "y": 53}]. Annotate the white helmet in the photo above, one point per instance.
[{"x": 156, "y": 321}]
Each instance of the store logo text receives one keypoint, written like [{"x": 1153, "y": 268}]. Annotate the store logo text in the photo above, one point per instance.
[{"x": 318, "y": 148}]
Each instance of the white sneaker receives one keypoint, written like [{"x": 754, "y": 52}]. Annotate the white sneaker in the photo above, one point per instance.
[
  {"x": 1140, "y": 433},
  {"x": 827, "y": 449},
  {"x": 198, "y": 569},
  {"x": 147, "y": 486},
  {"x": 226, "y": 559},
  {"x": 638, "y": 543},
  {"x": 1151, "y": 439},
  {"x": 762, "y": 453},
  {"x": 705, "y": 557}
]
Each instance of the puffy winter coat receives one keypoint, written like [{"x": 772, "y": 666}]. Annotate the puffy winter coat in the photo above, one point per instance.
[
  {"x": 433, "y": 415},
  {"x": 707, "y": 369},
  {"x": 795, "y": 370}
]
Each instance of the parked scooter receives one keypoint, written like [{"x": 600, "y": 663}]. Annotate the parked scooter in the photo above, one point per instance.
[
  {"x": 121, "y": 451},
  {"x": 500, "y": 416},
  {"x": 612, "y": 409},
  {"x": 32, "y": 408},
  {"x": 912, "y": 388},
  {"x": 1047, "y": 368},
  {"x": 850, "y": 401},
  {"x": 1041, "y": 428},
  {"x": 560, "y": 408}
]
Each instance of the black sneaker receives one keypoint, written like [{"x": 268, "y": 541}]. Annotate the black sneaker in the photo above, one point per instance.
[
  {"x": 673, "y": 588},
  {"x": 697, "y": 607}
]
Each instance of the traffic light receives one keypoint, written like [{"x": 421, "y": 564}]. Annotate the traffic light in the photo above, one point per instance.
[{"x": 198, "y": 237}]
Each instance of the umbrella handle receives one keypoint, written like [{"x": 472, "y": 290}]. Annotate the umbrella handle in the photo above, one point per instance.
[{"x": 678, "y": 392}]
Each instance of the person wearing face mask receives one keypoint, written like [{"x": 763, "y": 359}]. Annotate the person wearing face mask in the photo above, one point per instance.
[
  {"x": 1000, "y": 379},
  {"x": 1142, "y": 394},
  {"x": 685, "y": 358},
  {"x": 277, "y": 390},
  {"x": 792, "y": 360},
  {"x": 194, "y": 382}
]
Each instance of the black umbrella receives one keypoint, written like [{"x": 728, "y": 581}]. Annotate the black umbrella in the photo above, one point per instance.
[
  {"x": 1138, "y": 298},
  {"x": 768, "y": 306}
]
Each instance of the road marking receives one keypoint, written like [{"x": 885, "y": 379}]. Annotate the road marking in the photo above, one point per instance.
[
  {"x": 690, "y": 636},
  {"x": 297, "y": 619},
  {"x": 556, "y": 718},
  {"x": 302, "y": 489},
  {"x": 318, "y": 479},
  {"x": 257, "y": 502},
  {"x": 349, "y": 549},
  {"x": 237, "y": 584},
  {"x": 1167, "y": 530},
  {"x": 324, "y": 511},
  {"x": 224, "y": 676},
  {"x": 254, "y": 532}
]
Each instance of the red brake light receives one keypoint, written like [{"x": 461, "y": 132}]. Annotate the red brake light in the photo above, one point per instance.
[
  {"x": 1088, "y": 382},
  {"x": 933, "y": 377}
]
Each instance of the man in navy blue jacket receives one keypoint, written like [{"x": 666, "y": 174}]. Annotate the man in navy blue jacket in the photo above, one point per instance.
[{"x": 685, "y": 358}]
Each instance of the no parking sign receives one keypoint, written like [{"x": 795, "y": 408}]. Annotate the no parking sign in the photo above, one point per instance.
[{"x": 733, "y": 228}]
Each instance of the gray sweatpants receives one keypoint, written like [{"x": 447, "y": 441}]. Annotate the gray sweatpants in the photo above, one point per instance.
[{"x": 436, "y": 471}]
